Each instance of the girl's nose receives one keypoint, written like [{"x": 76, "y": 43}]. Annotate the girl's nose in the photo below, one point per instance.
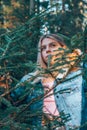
[{"x": 48, "y": 50}]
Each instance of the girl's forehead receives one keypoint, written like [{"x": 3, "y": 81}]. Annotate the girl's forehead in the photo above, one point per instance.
[{"x": 48, "y": 40}]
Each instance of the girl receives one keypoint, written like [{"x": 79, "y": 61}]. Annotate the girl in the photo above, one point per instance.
[{"x": 61, "y": 80}]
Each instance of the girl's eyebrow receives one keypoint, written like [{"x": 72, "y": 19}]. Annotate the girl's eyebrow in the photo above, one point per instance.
[
  {"x": 52, "y": 42},
  {"x": 43, "y": 45},
  {"x": 49, "y": 43}
]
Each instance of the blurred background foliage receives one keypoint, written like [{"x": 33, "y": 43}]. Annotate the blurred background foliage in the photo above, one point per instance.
[{"x": 22, "y": 22}]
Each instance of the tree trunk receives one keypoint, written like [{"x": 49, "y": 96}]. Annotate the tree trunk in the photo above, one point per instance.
[
  {"x": 32, "y": 6},
  {"x": 1, "y": 15},
  {"x": 63, "y": 5}
]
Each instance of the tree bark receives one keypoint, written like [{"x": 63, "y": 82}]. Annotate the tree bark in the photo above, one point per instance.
[{"x": 32, "y": 6}]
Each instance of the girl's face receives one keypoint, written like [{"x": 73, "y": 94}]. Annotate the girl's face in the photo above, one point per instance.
[{"x": 49, "y": 47}]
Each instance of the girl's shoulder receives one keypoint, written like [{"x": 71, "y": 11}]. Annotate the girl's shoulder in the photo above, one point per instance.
[
  {"x": 74, "y": 73},
  {"x": 26, "y": 77}
]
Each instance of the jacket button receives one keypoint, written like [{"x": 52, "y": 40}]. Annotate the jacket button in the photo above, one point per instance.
[{"x": 57, "y": 96}]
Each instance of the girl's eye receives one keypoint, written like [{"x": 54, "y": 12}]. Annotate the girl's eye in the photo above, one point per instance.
[
  {"x": 52, "y": 45},
  {"x": 43, "y": 48}
]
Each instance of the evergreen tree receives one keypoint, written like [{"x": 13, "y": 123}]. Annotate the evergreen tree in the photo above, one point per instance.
[
  {"x": 18, "y": 48},
  {"x": 67, "y": 18}
]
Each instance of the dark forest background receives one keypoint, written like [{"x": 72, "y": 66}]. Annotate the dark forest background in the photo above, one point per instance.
[{"x": 22, "y": 22}]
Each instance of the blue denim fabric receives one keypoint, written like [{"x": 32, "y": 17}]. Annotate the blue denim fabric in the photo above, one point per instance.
[
  {"x": 73, "y": 101},
  {"x": 36, "y": 106},
  {"x": 84, "y": 106}
]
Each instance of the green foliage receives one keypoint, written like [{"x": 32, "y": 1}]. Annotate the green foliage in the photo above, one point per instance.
[{"x": 18, "y": 53}]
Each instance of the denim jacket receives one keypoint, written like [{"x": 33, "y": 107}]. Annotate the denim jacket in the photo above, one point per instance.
[
  {"x": 72, "y": 101},
  {"x": 33, "y": 91}
]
